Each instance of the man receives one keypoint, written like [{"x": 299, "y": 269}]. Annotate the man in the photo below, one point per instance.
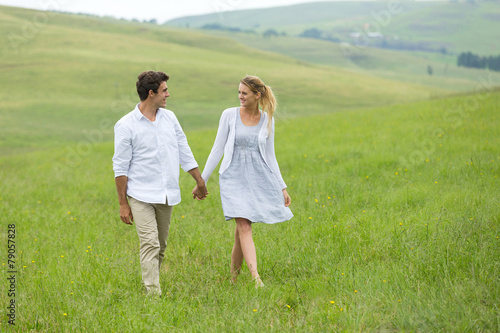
[{"x": 149, "y": 147}]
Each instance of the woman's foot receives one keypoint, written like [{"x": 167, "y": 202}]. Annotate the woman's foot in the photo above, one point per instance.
[
  {"x": 258, "y": 282},
  {"x": 234, "y": 275}
]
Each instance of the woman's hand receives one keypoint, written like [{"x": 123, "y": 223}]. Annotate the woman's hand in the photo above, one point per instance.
[
  {"x": 200, "y": 192},
  {"x": 288, "y": 200}
]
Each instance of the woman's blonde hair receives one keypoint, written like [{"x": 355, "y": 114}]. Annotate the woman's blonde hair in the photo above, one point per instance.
[{"x": 267, "y": 100}]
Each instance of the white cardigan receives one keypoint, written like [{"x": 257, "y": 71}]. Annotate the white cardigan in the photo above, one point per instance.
[{"x": 224, "y": 145}]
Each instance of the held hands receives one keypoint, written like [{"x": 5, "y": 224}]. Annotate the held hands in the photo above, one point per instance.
[
  {"x": 200, "y": 192},
  {"x": 288, "y": 200}
]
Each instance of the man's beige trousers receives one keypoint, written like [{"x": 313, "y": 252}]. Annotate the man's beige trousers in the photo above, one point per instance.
[{"x": 152, "y": 222}]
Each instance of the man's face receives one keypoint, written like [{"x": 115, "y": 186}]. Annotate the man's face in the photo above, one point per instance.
[{"x": 160, "y": 98}]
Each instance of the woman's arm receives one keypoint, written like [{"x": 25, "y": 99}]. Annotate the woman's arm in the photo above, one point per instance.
[
  {"x": 271, "y": 158},
  {"x": 218, "y": 147},
  {"x": 273, "y": 164}
]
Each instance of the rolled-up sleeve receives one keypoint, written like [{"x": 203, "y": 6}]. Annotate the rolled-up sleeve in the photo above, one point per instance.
[{"x": 123, "y": 150}]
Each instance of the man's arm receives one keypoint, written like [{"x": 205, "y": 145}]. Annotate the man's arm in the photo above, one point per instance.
[
  {"x": 200, "y": 192},
  {"x": 125, "y": 211}
]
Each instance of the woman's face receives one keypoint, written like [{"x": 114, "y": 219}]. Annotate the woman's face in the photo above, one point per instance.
[{"x": 248, "y": 98}]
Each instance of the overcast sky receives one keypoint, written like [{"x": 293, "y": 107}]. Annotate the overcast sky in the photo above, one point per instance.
[{"x": 161, "y": 10}]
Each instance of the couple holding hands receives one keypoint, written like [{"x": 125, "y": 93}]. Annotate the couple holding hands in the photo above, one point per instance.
[{"x": 149, "y": 147}]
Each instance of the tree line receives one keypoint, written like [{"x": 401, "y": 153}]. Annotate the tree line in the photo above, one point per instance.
[{"x": 469, "y": 59}]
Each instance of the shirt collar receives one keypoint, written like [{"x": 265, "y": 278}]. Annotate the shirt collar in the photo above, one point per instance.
[{"x": 138, "y": 114}]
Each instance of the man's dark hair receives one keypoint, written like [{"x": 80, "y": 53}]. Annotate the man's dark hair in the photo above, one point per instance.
[{"x": 149, "y": 80}]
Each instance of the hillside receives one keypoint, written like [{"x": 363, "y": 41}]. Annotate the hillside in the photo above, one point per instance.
[
  {"x": 408, "y": 67},
  {"x": 430, "y": 26},
  {"x": 287, "y": 17},
  {"x": 458, "y": 27},
  {"x": 73, "y": 75}
]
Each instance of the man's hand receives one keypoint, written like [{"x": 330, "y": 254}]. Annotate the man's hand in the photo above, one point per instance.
[
  {"x": 200, "y": 192},
  {"x": 125, "y": 211},
  {"x": 126, "y": 214}
]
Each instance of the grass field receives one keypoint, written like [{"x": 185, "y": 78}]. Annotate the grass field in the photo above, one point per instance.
[
  {"x": 396, "y": 228},
  {"x": 395, "y": 195}
]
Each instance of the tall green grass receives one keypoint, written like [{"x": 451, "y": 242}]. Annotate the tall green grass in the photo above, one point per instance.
[{"x": 396, "y": 228}]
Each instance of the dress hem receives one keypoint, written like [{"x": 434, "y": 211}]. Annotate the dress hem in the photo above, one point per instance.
[{"x": 274, "y": 222}]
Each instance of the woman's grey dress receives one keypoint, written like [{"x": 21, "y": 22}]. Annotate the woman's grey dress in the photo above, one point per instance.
[{"x": 248, "y": 187}]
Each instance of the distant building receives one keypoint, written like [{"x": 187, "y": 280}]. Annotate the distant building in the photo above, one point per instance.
[
  {"x": 357, "y": 35},
  {"x": 375, "y": 35}
]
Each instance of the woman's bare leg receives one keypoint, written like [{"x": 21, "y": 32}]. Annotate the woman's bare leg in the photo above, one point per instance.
[
  {"x": 236, "y": 256},
  {"x": 244, "y": 231}
]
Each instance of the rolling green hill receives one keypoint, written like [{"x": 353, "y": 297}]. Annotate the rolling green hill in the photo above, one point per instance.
[
  {"x": 459, "y": 27},
  {"x": 64, "y": 76},
  {"x": 409, "y": 67},
  {"x": 418, "y": 26},
  {"x": 294, "y": 19},
  {"x": 431, "y": 26}
]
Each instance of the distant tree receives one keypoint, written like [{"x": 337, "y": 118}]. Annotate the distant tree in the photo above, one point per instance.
[
  {"x": 483, "y": 62},
  {"x": 217, "y": 26},
  {"x": 443, "y": 50},
  {"x": 330, "y": 37},
  {"x": 269, "y": 33},
  {"x": 312, "y": 33},
  {"x": 494, "y": 63},
  {"x": 429, "y": 69},
  {"x": 461, "y": 60},
  {"x": 468, "y": 59},
  {"x": 212, "y": 26}
]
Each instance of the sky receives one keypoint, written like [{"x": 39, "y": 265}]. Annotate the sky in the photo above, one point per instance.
[{"x": 161, "y": 10}]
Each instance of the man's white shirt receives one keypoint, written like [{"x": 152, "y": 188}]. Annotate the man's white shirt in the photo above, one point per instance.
[{"x": 149, "y": 154}]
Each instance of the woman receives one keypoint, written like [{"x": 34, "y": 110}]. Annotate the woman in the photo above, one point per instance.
[{"x": 251, "y": 187}]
